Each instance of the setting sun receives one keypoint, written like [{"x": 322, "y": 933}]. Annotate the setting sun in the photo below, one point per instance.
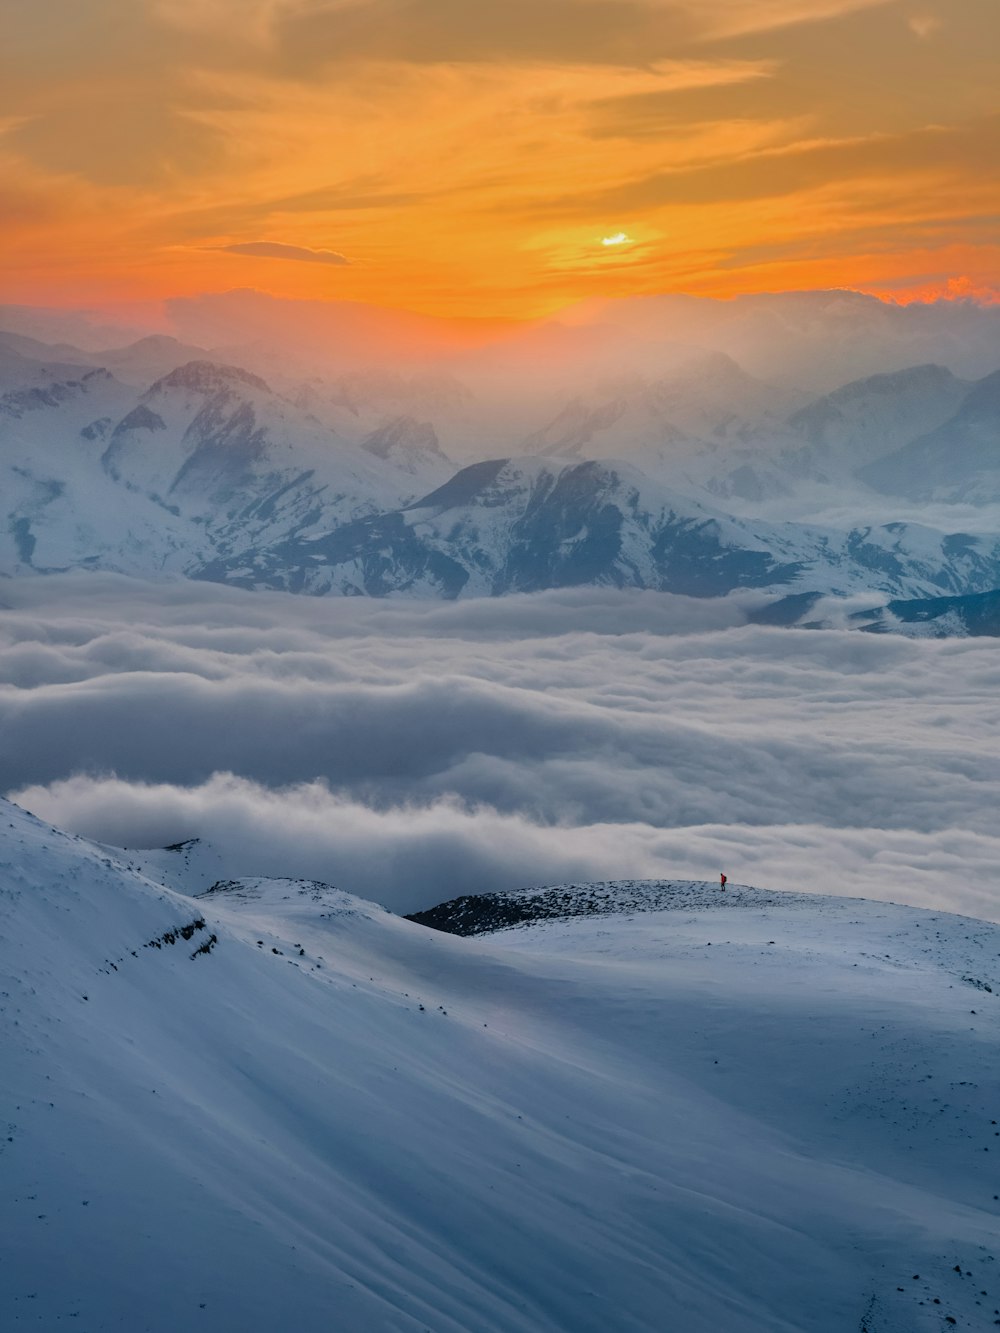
[{"x": 407, "y": 154}]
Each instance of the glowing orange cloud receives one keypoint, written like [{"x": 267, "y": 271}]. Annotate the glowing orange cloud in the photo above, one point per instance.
[{"x": 481, "y": 159}]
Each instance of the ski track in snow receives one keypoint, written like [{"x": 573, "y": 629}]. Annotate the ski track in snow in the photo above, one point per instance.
[{"x": 278, "y": 1106}]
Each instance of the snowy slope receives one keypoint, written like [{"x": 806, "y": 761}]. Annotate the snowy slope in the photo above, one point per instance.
[
  {"x": 703, "y": 402},
  {"x": 527, "y": 524},
  {"x": 715, "y": 427},
  {"x": 61, "y": 510},
  {"x": 870, "y": 418},
  {"x": 277, "y": 1106},
  {"x": 207, "y": 461},
  {"x": 217, "y": 443},
  {"x": 29, "y": 369},
  {"x": 974, "y": 616},
  {"x": 958, "y": 459},
  {"x": 141, "y": 362}
]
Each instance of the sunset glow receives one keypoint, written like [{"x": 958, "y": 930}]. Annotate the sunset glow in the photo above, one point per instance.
[{"x": 450, "y": 158}]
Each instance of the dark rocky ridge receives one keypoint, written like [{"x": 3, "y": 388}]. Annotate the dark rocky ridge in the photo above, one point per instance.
[
  {"x": 976, "y": 615},
  {"x": 483, "y": 913}
]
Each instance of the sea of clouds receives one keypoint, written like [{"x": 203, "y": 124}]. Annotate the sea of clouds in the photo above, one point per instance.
[{"x": 412, "y": 751}]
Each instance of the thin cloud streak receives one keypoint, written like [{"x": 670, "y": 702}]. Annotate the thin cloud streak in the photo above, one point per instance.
[{"x": 278, "y": 250}]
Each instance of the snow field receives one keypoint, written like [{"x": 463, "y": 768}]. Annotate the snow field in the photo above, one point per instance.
[{"x": 763, "y": 1114}]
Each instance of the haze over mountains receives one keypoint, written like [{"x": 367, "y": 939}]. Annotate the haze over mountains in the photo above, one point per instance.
[{"x": 598, "y": 450}]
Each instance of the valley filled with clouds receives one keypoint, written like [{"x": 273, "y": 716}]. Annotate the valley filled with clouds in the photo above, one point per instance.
[{"x": 413, "y": 751}]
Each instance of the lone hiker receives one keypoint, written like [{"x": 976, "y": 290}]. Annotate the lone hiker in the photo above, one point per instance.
[{"x": 722, "y": 883}]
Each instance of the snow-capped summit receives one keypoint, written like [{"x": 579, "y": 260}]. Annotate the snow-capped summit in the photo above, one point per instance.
[
  {"x": 207, "y": 461},
  {"x": 141, "y": 362},
  {"x": 410, "y": 444},
  {"x": 207, "y": 377}
]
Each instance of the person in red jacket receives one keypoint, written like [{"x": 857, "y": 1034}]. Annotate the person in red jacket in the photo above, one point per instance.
[{"x": 722, "y": 882}]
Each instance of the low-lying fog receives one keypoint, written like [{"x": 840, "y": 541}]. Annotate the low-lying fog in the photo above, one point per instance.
[{"x": 410, "y": 752}]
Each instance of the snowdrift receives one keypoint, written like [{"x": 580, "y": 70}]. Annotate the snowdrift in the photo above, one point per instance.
[{"x": 273, "y": 1105}]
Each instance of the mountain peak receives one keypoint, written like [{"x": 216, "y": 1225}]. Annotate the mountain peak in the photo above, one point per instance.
[
  {"x": 152, "y": 342},
  {"x": 402, "y": 435},
  {"x": 889, "y": 383},
  {"x": 209, "y": 377},
  {"x": 709, "y": 365}
]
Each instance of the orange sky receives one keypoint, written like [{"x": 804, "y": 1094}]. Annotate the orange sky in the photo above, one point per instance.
[{"x": 471, "y": 156}]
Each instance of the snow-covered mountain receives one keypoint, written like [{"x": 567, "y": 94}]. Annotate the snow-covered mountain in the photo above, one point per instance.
[
  {"x": 344, "y": 486},
  {"x": 207, "y": 492},
  {"x": 27, "y": 365},
  {"x": 973, "y": 616},
  {"x": 704, "y": 426},
  {"x": 521, "y": 525},
  {"x": 275, "y": 1104},
  {"x": 869, "y": 418},
  {"x": 968, "y": 616},
  {"x": 958, "y": 459},
  {"x": 148, "y": 359},
  {"x": 61, "y": 510},
  {"x": 220, "y": 445},
  {"x": 821, "y": 338},
  {"x": 702, "y": 403},
  {"x": 207, "y": 462},
  {"x": 710, "y": 427}
]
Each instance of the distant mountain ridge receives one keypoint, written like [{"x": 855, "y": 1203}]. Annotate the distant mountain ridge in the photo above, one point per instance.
[
  {"x": 524, "y": 525},
  {"x": 972, "y": 616},
  {"x": 958, "y": 459},
  {"x": 734, "y": 436},
  {"x": 212, "y": 473},
  {"x": 485, "y": 913}
]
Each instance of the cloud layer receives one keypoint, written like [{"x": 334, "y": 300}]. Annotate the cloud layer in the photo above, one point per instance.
[
  {"x": 411, "y": 752},
  {"x": 452, "y": 148},
  {"x": 278, "y": 250}
]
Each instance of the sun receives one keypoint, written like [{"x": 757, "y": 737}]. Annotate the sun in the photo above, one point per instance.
[{"x": 619, "y": 238}]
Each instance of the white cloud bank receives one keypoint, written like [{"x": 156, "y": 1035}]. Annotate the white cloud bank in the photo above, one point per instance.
[{"x": 411, "y": 752}]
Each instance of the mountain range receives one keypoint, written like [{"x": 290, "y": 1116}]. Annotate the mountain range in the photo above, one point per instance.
[{"x": 348, "y": 485}]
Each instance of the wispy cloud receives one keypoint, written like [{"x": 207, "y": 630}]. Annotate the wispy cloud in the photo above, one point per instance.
[
  {"x": 924, "y": 25},
  {"x": 278, "y": 250},
  {"x": 730, "y": 18},
  {"x": 808, "y": 163},
  {"x": 458, "y": 127},
  {"x": 308, "y": 36}
]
